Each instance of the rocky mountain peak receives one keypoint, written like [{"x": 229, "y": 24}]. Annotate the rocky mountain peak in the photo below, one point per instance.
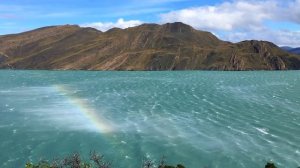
[{"x": 177, "y": 27}]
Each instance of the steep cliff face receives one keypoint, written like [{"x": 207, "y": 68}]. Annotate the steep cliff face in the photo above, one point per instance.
[
  {"x": 172, "y": 46},
  {"x": 262, "y": 55}
]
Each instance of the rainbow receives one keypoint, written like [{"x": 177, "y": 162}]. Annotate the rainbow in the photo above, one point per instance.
[{"x": 102, "y": 125}]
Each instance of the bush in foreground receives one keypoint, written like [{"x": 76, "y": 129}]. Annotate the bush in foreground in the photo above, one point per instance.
[
  {"x": 270, "y": 165},
  {"x": 97, "y": 161}
]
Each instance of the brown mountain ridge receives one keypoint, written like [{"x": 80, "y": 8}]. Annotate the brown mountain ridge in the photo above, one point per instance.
[{"x": 172, "y": 46}]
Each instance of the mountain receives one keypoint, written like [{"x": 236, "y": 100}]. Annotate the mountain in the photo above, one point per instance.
[
  {"x": 172, "y": 46},
  {"x": 295, "y": 50},
  {"x": 291, "y": 50}
]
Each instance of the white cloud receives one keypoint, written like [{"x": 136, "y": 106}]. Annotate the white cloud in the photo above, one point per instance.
[
  {"x": 238, "y": 14},
  {"x": 239, "y": 20},
  {"x": 121, "y": 23},
  {"x": 279, "y": 37},
  {"x": 291, "y": 12}
]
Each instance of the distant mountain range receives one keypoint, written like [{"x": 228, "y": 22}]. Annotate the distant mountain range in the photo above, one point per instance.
[
  {"x": 291, "y": 49},
  {"x": 172, "y": 46}
]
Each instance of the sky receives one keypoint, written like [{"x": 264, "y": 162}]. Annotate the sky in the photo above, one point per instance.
[{"x": 277, "y": 21}]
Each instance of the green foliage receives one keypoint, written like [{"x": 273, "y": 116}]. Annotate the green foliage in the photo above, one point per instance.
[
  {"x": 97, "y": 161},
  {"x": 270, "y": 165},
  {"x": 178, "y": 166},
  {"x": 42, "y": 164}
]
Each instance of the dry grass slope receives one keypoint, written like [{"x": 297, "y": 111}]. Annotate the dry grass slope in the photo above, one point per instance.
[{"x": 172, "y": 46}]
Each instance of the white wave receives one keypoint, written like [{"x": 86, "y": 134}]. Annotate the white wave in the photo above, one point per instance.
[{"x": 262, "y": 130}]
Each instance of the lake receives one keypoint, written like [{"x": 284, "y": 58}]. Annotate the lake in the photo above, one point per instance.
[{"x": 197, "y": 118}]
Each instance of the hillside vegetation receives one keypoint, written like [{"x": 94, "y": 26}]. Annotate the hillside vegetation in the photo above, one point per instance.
[{"x": 172, "y": 46}]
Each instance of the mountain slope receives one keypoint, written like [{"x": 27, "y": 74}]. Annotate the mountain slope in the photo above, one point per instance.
[
  {"x": 172, "y": 46},
  {"x": 291, "y": 50},
  {"x": 295, "y": 50}
]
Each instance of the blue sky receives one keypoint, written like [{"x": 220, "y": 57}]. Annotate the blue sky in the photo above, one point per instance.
[{"x": 233, "y": 20}]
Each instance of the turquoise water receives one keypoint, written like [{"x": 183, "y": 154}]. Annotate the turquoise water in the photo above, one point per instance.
[{"x": 197, "y": 118}]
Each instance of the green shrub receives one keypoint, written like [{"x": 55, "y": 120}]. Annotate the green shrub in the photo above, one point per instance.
[
  {"x": 97, "y": 161},
  {"x": 270, "y": 165}
]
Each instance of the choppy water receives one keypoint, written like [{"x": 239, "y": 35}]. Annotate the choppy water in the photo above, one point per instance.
[{"x": 199, "y": 119}]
